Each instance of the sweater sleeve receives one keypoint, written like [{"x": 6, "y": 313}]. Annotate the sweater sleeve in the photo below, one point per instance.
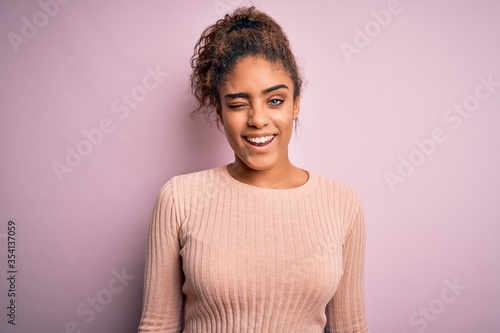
[
  {"x": 163, "y": 298},
  {"x": 346, "y": 311}
]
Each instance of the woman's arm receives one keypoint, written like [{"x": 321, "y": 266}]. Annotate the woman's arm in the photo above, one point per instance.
[
  {"x": 163, "y": 299},
  {"x": 346, "y": 311}
]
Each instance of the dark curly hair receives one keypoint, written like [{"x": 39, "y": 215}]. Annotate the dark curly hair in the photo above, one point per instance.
[{"x": 245, "y": 32}]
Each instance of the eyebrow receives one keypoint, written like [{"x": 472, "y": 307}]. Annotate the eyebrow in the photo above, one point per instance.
[{"x": 264, "y": 92}]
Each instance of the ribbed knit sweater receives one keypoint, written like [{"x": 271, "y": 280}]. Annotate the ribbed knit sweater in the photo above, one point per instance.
[{"x": 227, "y": 257}]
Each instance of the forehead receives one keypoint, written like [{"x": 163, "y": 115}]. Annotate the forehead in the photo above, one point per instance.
[{"x": 253, "y": 73}]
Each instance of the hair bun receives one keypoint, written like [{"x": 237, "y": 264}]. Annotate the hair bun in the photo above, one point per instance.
[{"x": 245, "y": 23}]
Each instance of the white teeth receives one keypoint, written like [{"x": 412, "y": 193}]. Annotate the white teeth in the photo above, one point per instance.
[{"x": 261, "y": 139}]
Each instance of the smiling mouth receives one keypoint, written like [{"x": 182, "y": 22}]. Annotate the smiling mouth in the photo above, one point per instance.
[{"x": 260, "y": 141}]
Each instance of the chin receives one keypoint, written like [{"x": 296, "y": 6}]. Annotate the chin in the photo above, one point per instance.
[{"x": 259, "y": 163}]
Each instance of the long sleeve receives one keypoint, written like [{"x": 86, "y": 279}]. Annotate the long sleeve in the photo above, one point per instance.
[
  {"x": 224, "y": 256},
  {"x": 346, "y": 311},
  {"x": 163, "y": 299}
]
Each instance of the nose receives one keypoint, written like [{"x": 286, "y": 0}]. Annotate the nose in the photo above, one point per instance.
[{"x": 258, "y": 117}]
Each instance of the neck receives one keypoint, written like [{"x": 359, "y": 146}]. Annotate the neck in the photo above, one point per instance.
[{"x": 281, "y": 177}]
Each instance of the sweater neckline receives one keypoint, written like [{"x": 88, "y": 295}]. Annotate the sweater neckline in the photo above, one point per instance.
[{"x": 264, "y": 191}]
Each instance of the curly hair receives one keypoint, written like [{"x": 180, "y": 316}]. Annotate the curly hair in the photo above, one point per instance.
[{"x": 245, "y": 32}]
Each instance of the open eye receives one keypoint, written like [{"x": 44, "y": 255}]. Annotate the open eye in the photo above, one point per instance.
[{"x": 276, "y": 102}]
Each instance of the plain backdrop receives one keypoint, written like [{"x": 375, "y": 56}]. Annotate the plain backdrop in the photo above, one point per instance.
[{"x": 401, "y": 102}]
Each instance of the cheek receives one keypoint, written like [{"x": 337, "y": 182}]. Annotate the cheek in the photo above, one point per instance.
[
  {"x": 234, "y": 119},
  {"x": 284, "y": 119},
  {"x": 232, "y": 127}
]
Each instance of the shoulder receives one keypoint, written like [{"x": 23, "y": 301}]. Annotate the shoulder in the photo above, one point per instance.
[
  {"x": 338, "y": 188},
  {"x": 342, "y": 196},
  {"x": 194, "y": 181},
  {"x": 183, "y": 192}
]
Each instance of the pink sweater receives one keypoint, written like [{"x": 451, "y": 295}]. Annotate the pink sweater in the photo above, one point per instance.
[{"x": 224, "y": 256}]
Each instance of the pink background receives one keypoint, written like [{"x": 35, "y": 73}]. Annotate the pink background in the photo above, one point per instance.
[{"x": 435, "y": 226}]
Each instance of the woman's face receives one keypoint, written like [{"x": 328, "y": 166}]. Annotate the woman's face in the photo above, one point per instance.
[{"x": 257, "y": 111}]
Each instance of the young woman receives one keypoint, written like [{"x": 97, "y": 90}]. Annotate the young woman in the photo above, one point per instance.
[{"x": 258, "y": 245}]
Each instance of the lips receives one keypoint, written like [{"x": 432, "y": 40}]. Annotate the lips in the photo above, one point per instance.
[{"x": 259, "y": 141}]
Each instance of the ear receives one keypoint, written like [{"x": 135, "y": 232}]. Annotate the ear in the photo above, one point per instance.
[{"x": 296, "y": 107}]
